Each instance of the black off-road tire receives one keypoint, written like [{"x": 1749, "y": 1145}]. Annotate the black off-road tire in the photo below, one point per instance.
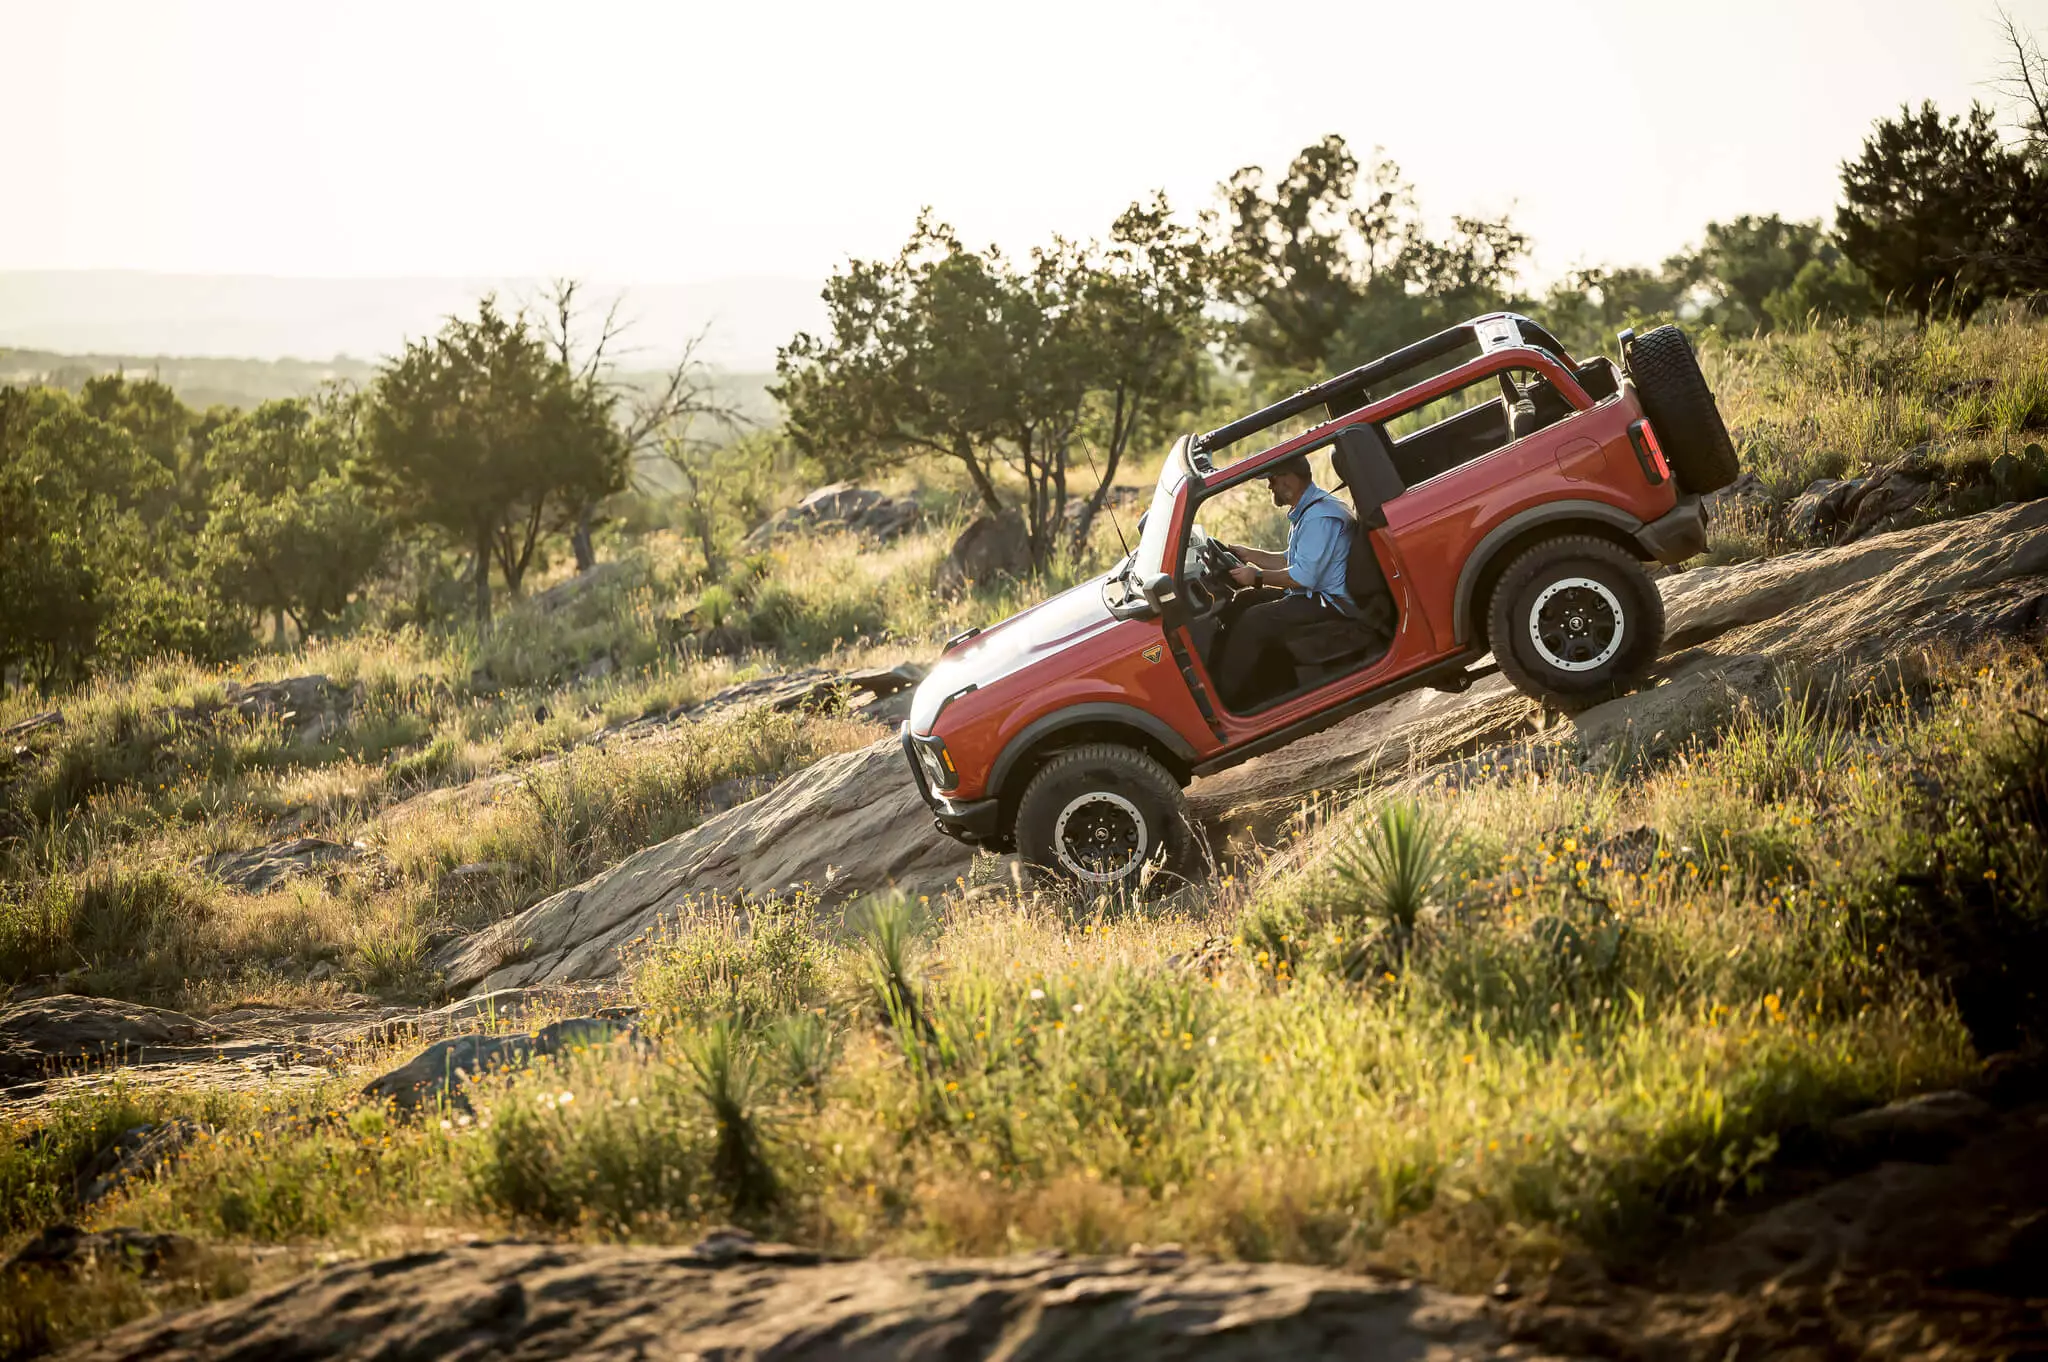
[
  {"x": 1681, "y": 409},
  {"x": 1551, "y": 589},
  {"x": 1103, "y": 788}
]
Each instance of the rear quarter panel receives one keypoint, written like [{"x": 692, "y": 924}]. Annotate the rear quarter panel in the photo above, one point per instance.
[{"x": 1584, "y": 457}]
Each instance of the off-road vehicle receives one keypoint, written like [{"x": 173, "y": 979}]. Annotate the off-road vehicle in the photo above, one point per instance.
[{"x": 1519, "y": 525}]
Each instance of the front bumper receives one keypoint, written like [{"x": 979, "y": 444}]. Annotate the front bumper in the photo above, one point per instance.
[
  {"x": 1678, "y": 534},
  {"x": 977, "y": 822}
]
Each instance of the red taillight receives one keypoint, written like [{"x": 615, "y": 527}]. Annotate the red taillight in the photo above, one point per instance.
[{"x": 1649, "y": 453}]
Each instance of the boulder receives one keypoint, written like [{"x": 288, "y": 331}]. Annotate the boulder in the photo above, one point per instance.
[
  {"x": 68, "y": 1027},
  {"x": 140, "y": 1152},
  {"x": 312, "y": 706},
  {"x": 1811, "y": 516},
  {"x": 730, "y": 1297},
  {"x": 1848, "y": 612},
  {"x": 261, "y": 869},
  {"x": 68, "y": 1250},
  {"x": 1884, "y": 502},
  {"x": 1745, "y": 501},
  {"x": 437, "y": 1073},
  {"x": 811, "y": 689},
  {"x": 992, "y": 546},
  {"x": 566, "y": 593},
  {"x": 838, "y": 506}
]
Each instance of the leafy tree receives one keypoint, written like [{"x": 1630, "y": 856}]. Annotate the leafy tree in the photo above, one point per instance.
[
  {"x": 292, "y": 532},
  {"x": 1823, "y": 290},
  {"x": 1748, "y": 259},
  {"x": 483, "y": 432},
  {"x": 968, "y": 355},
  {"x": 1333, "y": 261},
  {"x": 1928, "y": 206},
  {"x": 1143, "y": 298},
  {"x": 905, "y": 364},
  {"x": 82, "y": 578}
]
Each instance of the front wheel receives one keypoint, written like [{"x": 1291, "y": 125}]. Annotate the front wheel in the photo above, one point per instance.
[
  {"x": 1106, "y": 818},
  {"x": 1575, "y": 621}
]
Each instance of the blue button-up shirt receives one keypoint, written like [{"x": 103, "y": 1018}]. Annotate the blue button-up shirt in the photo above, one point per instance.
[{"x": 1319, "y": 547}]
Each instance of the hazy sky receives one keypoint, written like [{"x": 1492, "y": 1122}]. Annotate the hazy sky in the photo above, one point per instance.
[{"x": 676, "y": 141}]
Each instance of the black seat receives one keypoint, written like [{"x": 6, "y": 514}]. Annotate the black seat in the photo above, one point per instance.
[{"x": 1364, "y": 465}]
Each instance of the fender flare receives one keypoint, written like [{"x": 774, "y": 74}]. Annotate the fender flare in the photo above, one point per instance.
[
  {"x": 1071, "y": 716},
  {"x": 1521, "y": 522}
]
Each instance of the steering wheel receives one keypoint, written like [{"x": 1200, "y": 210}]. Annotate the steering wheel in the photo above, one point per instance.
[{"x": 1212, "y": 565}]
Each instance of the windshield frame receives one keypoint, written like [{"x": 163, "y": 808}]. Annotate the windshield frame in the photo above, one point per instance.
[{"x": 1157, "y": 536}]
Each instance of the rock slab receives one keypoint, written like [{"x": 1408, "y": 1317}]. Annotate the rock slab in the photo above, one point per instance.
[
  {"x": 1736, "y": 634},
  {"x": 729, "y": 1300},
  {"x": 68, "y": 1027}
]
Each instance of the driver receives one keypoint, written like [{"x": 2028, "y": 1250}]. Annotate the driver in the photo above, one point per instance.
[{"x": 1302, "y": 589}]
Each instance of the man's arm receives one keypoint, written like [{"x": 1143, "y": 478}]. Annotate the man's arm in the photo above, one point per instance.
[
  {"x": 1264, "y": 558},
  {"x": 1255, "y": 571}
]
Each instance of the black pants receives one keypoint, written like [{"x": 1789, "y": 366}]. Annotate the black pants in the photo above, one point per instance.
[{"x": 1260, "y": 621}]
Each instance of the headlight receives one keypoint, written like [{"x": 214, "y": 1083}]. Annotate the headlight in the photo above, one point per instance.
[{"x": 937, "y": 763}]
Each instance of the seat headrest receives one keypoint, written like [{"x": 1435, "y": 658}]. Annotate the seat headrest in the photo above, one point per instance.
[{"x": 1364, "y": 462}]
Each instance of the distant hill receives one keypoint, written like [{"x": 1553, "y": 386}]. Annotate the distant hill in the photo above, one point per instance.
[
  {"x": 120, "y": 313},
  {"x": 207, "y": 380}
]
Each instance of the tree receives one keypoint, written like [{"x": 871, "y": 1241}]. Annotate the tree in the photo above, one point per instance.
[
  {"x": 1823, "y": 290},
  {"x": 292, "y": 530},
  {"x": 1144, "y": 298},
  {"x": 483, "y": 432},
  {"x": 1748, "y": 259},
  {"x": 652, "y": 420},
  {"x": 903, "y": 367},
  {"x": 82, "y": 575},
  {"x": 2023, "y": 250},
  {"x": 967, "y": 355},
  {"x": 1333, "y": 263},
  {"x": 1928, "y": 205}
]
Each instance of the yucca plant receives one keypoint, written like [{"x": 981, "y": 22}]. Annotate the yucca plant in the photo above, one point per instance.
[
  {"x": 889, "y": 959},
  {"x": 807, "y": 1048},
  {"x": 727, "y": 1082},
  {"x": 1392, "y": 870}
]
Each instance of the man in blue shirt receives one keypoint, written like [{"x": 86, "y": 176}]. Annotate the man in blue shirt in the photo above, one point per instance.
[{"x": 1300, "y": 594}]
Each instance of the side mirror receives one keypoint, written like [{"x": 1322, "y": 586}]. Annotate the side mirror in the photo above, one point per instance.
[{"x": 1158, "y": 590}]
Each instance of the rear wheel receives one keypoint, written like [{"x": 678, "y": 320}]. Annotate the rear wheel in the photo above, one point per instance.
[
  {"x": 1575, "y": 621},
  {"x": 1106, "y": 818},
  {"x": 1681, "y": 409}
]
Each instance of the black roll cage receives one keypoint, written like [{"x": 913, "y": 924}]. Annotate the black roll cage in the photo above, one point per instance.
[{"x": 1346, "y": 391}]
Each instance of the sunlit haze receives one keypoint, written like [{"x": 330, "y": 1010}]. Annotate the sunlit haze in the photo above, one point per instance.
[{"x": 671, "y": 142}]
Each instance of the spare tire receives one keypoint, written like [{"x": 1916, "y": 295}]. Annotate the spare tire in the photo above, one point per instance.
[{"x": 1681, "y": 409}]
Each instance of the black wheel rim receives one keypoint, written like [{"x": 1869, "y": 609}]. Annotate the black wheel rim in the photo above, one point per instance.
[
  {"x": 1100, "y": 837},
  {"x": 1576, "y": 624}
]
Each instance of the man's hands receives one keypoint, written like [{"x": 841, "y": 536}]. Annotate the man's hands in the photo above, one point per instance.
[{"x": 1261, "y": 567}]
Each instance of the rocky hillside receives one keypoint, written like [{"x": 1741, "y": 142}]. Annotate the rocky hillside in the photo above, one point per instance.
[{"x": 854, "y": 824}]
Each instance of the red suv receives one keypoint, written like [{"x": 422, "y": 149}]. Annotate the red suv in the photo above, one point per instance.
[{"x": 1518, "y": 525}]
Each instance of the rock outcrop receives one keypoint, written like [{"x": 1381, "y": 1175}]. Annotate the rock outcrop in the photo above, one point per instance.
[
  {"x": 838, "y": 506},
  {"x": 68, "y": 1028},
  {"x": 437, "y": 1073},
  {"x": 852, "y": 823},
  {"x": 1842, "y": 615},
  {"x": 261, "y": 869},
  {"x": 730, "y": 1298},
  {"x": 991, "y": 546}
]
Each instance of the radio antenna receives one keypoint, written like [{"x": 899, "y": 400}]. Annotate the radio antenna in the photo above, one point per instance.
[{"x": 1108, "y": 501}]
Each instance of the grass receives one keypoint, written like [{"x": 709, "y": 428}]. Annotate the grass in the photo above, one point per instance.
[
  {"x": 1842, "y": 401},
  {"x": 1623, "y": 993}
]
